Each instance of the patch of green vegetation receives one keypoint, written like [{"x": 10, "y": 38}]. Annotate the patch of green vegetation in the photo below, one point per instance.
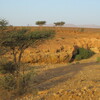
[
  {"x": 8, "y": 67},
  {"x": 8, "y": 83},
  {"x": 82, "y": 30},
  {"x": 82, "y": 53},
  {"x": 77, "y": 62},
  {"x": 42, "y": 34},
  {"x": 98, "y": 59}
]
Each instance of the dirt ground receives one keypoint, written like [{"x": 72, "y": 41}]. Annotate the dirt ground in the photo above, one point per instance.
[{"x": 73, "y": 81}]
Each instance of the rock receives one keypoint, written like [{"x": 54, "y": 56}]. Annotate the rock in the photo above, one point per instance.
[
  {"x": 79, "y": 94},
  {"x": 55, "y": 94}
]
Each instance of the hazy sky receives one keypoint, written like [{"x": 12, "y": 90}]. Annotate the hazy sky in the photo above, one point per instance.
[{"x": 24, "y": 12}]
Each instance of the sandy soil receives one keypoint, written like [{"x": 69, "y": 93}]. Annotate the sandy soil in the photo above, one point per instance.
[{"x": 73, "y": 81}]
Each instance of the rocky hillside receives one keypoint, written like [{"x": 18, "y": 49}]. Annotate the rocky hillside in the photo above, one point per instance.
[{"x": 61, "y": 48}]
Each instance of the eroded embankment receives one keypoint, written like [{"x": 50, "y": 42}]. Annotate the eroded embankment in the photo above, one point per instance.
[{"x": 59, "y": 50}]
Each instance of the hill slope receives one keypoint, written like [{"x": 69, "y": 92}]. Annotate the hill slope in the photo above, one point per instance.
[{"x": 61, "y": 48}]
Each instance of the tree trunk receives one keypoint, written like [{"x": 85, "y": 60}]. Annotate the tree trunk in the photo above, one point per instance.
[{"x": 14, "y": 55}]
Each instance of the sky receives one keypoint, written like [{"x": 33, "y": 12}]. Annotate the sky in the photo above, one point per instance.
[{"x": 27, "y": 12}]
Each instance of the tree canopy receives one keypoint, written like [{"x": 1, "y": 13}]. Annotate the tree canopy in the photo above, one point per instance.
[
  {"x": 20, "y": 39},
  {"x": 59, "y": 23},
  {"x": 40, "y": 23},
  {"x": 3, "y": 23}
]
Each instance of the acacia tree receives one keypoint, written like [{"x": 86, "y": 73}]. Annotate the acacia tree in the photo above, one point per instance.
[
  {"x": 40, "y": 23},
  {"x": 3, "y": 23},
  {"x": 19, "y": 40},
  {"x": 59, "y": 23}
]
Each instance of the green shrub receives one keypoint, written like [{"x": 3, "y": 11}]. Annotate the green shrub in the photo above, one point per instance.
[
  {"x": 78, "y": 57},
  {"x": 8, "y": 67},
  {"x": 26, "y": 82},
  {"x": 39, "y": 34},
  {"x": 8, "y": 82},
  {"x": 77, "y": 62},
  {"x": 98, "y": 59},
  {"x": 82, "y": 29},
  {"x": 83, "y": 54}
]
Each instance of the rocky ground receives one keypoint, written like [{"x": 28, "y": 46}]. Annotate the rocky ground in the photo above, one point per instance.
[{"x": 73, "y": 81}]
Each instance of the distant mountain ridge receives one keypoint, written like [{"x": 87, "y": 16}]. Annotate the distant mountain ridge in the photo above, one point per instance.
[{"x": 84, "y": 26}]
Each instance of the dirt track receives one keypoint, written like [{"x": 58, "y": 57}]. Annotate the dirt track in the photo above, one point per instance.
[
  {"x": 60, "y": 74},
  {"x": 70, "y": 82},
  {"x": 75, "y": 81}
]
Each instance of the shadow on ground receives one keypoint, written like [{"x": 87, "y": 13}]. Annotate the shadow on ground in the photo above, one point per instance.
[{"x": 50, "y": 78}]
